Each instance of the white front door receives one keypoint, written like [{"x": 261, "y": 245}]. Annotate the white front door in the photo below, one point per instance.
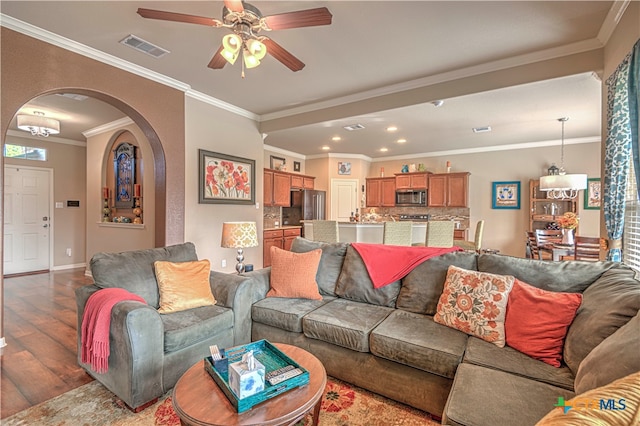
[
  {"x": 344, "y": 198},
  {"x": 27, "y": 221}
]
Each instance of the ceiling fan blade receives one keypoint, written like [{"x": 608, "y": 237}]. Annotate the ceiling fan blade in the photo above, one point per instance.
[
  {"x": 301, "y": 18},
  {"x": 234, "y": 5},
  {"x": 282, "y": 55},
  {"x": 178, "y": 17},
  {"x": 218, "y": 61}
]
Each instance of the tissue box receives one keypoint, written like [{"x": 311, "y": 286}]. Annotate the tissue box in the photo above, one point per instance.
[{"x": 243, "y": 382}]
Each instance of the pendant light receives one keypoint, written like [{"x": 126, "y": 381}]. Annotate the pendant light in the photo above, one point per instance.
[{"x": 558, "y": 184}]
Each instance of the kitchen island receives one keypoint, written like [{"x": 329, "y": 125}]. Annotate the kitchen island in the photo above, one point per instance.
[{"x": 363, "y": 232}]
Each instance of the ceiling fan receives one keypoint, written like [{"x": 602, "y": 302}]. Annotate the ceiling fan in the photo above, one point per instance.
[{"x": 246, "y": 21}]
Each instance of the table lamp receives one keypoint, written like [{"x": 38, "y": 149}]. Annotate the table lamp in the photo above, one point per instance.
[{"x": 239, "y": 235}]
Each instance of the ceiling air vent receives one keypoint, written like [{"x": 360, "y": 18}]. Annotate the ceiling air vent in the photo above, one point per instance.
[
  {"x": 353, "y": 127},
  {"x": 481, "y": 129},
  {"x": 144, "y": 46}
]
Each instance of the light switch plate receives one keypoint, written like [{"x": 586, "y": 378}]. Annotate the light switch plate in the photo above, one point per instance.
[{"x": 59, "y": 205}]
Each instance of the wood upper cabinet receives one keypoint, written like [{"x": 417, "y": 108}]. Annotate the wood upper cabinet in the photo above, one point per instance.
[
  {"x": 277, "y": 188},
  {"x": 381, "y": 192},
  {"x": 448, "y": 190},
  {"x": 416, "y": 180},
  {"x": 302, "y": 182}
]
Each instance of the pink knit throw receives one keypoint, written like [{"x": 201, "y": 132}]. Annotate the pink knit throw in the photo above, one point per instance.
[{"x": 96, "y": 321}]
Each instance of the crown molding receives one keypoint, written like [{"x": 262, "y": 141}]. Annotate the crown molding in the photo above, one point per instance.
[
  {"x": 612, "y": 19},
  {"x": 221, "y": 104},
  {"x": 339, "y": 155},
  {"x": 494, "y": 148},
  {"x": 107, "y": 127},
  {"x": 284, "y": 152},
  {"x": 25, "y": 135}
]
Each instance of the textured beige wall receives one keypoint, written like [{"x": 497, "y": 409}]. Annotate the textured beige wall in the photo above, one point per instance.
[
  {"x": 216, "y": 130},
  {"x": 123, "y": 237},
  {"x": 505, "y": 229},
  {"x": 69, "y": 183}
]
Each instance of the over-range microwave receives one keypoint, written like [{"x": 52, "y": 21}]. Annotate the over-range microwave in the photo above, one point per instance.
[{"x": 411, "y": 197}]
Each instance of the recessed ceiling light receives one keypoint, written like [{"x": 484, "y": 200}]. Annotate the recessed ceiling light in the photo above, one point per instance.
[
  {"x": 353, "y": 127},
  {"x": 384, "y": 149},
  {"x": 392, "y": 129},
  {"x": 401, "y": 141},
  {"x": 481, "y": 129},
  {"x": 326, "y": 148},
  {"x": 336, "y": 138}
]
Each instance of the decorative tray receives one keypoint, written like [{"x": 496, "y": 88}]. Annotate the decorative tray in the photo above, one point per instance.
[{"x": 272, "y": 358}]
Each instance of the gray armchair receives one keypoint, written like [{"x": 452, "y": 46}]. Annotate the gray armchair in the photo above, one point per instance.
[{"x": 150, "y": 351}]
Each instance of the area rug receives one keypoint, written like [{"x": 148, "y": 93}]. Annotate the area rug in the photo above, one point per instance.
[{"x": 92, "y": 404}]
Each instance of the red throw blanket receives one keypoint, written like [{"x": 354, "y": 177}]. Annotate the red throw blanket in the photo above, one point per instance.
[
  {"x": 96, "y": 321},
  {"x": 387, "y": 263}
]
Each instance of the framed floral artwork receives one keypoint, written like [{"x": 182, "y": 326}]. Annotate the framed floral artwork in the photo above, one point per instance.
[
  {"x": 505, "y": 195},
  {"x": 225, "y": 179},
  {"x": 592, "y": 194}
]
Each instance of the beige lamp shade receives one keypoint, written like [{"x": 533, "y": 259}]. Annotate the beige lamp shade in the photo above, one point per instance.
[{"x": 239, "y": 234}]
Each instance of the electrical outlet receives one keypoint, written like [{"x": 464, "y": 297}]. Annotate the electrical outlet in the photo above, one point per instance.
[
  {"x": 69, "y": 252},
  {"x": 224, "y": 263}
]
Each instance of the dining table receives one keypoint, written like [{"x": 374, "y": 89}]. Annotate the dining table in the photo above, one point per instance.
[{"x": 558, "y": 250}]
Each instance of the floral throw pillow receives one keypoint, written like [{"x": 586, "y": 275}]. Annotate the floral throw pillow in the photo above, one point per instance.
[{"x": 475, "y": 303}]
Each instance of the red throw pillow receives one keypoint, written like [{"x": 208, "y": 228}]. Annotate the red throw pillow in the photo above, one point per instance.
[{"x": 537, "y": 321}]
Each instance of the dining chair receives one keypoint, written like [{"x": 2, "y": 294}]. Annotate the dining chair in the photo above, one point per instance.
[
  {"x": 546, "y": 238},
  {"x": 439, "y": 233},
  {"x": 532, "y": 245},
  {"x": 476, "y": 244},
  {"x": 398, "y": 233},
  {"x": 587, "y": 248},
  {"x": 325, "y": 231}
]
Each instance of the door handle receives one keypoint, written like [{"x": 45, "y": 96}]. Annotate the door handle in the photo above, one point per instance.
[{"x": 46, "y": 225}]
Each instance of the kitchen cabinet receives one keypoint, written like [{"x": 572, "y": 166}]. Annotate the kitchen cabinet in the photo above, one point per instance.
[
  {"x": 448, "y": 190},
  {"x": 418, "y": 180},
  {"x": 381, "y": 192},
  {"x": 277, "y": 188},
  {"x": 545, "y": 211},
  {"x": 281, "y": 238},
  {"x": 302, "y": 182}
]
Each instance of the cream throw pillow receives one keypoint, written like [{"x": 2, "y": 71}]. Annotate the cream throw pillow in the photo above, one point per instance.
[{"x": 183, "y": 285}]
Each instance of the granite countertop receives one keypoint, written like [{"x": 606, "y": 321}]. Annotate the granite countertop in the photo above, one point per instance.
[{"x": 283, "y": 227}]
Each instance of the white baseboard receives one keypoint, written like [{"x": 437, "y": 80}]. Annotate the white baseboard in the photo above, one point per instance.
[{"x": 70, "y": 266}]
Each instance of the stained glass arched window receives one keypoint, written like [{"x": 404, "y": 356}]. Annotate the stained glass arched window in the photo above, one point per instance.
[{"x": 124, "y": 167}]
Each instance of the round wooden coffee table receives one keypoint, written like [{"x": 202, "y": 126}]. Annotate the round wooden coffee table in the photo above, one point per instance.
[{"x": 198, "y": 400}]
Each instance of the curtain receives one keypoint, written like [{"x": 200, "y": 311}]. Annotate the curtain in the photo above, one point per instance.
[
  {"x": 634, "y": 105},
  {"x": 616, "y": 159}
]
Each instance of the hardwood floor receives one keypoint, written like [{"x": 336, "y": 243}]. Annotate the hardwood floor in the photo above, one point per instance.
[{"x": 40, "y": 361}]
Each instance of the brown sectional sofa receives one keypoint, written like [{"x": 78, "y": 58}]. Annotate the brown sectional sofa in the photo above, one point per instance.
[{"x": 386, "y": 340}]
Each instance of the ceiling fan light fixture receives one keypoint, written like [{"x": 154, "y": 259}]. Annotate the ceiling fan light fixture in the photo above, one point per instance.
[
  {"x": 250, "y": 61},
  {"x": 231, "y": 43},
  {"x": 256, "y": 48}
]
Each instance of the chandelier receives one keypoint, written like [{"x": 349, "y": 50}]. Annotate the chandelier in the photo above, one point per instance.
[
  {"x": 558, "y": 184},
  {"x": 38, "y": 124}
]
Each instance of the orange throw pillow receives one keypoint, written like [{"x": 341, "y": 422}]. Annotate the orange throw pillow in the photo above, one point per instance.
[
  {"x": 537, "y": 321},
  {"x": 293, "y": 275}
]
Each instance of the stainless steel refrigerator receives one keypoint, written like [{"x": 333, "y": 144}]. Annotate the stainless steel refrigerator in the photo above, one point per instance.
[{"x": 308, "y": 204}]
